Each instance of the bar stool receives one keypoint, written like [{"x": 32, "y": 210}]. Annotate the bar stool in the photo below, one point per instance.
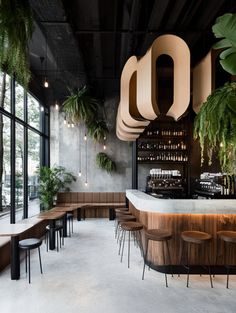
[
  {"x": 70, "y": 219},
  {"x": 133, "y": 228},
  {"x": 196, "y": 238},
  {"x": 229, "y": 239},
  {"x": 58, "y": 229},
  {"x": 160, "y": 235},
  {"x": 120, "y": 219},
  {"x": 27, "y": 245}
]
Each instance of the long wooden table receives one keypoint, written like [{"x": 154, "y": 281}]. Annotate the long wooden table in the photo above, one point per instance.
[{"x": 14, "y": 231}]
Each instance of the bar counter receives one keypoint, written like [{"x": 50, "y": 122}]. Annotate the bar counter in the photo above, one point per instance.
[{"x": 177, "y": 215}]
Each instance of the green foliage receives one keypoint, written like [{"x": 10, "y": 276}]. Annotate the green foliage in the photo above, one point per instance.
[
  {"x": 215, "y": 126},
  {"x": 80, "y": 106},
  {"x": 98, "y": 130},
  {"x": 52, "y": 180},
  {"x": 225, "y": 28},
  {"x": 104, "y": 162},
  {"x": 16, "y": 28}
]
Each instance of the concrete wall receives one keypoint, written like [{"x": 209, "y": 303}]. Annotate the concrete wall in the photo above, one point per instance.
[{"x": 65, "y": 151}]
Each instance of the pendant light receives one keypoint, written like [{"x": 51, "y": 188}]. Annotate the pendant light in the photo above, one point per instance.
[
  {"x": 46, "y": 84},
  {"x": 80, "y": 154},
  {"x": 86, "y": 158}
]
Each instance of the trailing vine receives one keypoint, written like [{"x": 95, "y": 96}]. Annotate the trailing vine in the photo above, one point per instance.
[{"x": 16, "y": 29}]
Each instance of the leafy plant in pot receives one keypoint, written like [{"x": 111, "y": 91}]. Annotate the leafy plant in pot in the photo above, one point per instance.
[
  {"x": 51, "y": 181},
  {"x": 215, "y": 124}
]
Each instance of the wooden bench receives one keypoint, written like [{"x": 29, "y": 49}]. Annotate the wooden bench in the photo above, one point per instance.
[{"x": 92, "y": 204}]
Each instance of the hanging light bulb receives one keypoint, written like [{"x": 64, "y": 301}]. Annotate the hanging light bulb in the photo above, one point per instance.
[
  {"x": 68, "y": 125},
  {"x": 86, "y": 183},
  {"x": 85, "y": 137},
  {"x": 104, "y": 138},
  {"x": 80, "y": 173},
  {"x": 221, "y": 144},
  {"x": 46, "y": 85},
  {"x": 104, "y": 146},
  {"x": 72, "y": 125},
  {"x": 56, "y": 106},
  {"x": 42, "y": 108},
  {"x": 65, "y": 121}
]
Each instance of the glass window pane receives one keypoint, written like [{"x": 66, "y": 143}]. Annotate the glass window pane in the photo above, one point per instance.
[
  {"x": 19, "y": 102},
  {"x": 33, "y": 112},
  {"x": 5, "y": 168},
  {"x": 5, "y": 81},
  {"x": 33, "y": 165},
  {"x": 19, "y": 178}
]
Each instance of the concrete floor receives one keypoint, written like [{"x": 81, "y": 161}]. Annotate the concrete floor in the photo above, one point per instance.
[{"x": 86, "y": 276}]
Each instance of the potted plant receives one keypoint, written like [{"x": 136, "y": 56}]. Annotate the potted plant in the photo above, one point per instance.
[
  {"x": 97, "y": 130},
  {"x": 105, "y": 162},
  {"x": 80, "y": 106},
  {"x": 215, "y": 124},
  {"x": 51, "y": 181},
  {"x": 16, "y": 28}
]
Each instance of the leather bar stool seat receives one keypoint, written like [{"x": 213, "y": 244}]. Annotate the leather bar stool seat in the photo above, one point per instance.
[
  {"x": 195, "y": 238},
  {"x": 27, "y": 245},
  {"x": 159, "y": 235},
  {"x": 228, "y": 237}
]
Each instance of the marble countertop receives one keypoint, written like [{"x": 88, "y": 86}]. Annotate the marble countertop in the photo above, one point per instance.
[{"x": 145, "y": 202}]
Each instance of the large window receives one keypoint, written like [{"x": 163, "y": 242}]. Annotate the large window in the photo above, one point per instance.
[{"x": 23, "y": 149}]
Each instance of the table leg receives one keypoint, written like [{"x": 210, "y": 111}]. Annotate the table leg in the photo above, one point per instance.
[
  {"x": 15, "y": 258},
  {"x": 52, "y": 234},
  {"x": 111, "y": 214},
  {"x": 78, "y": 214},
  {"x": 64, "y": 223}
]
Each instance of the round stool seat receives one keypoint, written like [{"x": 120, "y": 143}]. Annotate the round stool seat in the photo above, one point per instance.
[
  {"x": 30, "y": 243},
  {"x": 131, "y": 226},
  {"x": 127, "y": 218},
  {"x": 227, "y": 235},
  {"x": 195, "y": 236},
  {"x": 56, "y": 228},
  {"x": 122, "y": 209},
  {"x": 158, "y": 234},
  {"x": 118, "y": 213}
]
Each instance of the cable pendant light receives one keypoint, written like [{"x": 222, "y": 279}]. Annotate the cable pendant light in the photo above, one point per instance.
[
  {"x": 86, "y": 158},
  {"x": 46, "y": 84},
  {"x": 80, "y": 154}
]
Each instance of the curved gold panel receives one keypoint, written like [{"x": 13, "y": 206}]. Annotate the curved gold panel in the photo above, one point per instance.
[
  {"x": 128, "y": 90},
  {"x": 178, "y": 50}
]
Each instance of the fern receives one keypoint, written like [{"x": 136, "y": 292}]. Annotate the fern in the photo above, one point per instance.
[
  {"x": 98, "y": 130},
  {"x": 215, "y": 126},
  {"x": 104, "y": 162}
]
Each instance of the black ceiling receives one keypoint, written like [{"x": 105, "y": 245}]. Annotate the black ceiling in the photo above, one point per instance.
[{"x": 89, "y": 41}]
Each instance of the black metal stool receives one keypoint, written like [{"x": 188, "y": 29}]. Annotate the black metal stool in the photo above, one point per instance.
[
  {"x": 160, "y": 235},
  {"x": 134, "y": 228},
  {"x": 196, "y": 238},
  {"x": 229, "y": 239},
  {"x": 70, "y": 219},
  {"x": 58, "y": 229},
  {"x": 27, "y": 245}
]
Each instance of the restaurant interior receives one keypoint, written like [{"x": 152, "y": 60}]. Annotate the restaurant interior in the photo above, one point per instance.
[{"x": 118, "y": 156}]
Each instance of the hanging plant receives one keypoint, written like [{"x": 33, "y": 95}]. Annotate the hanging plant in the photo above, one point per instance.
[
  {"x": 97, "y": 130},
  {"x": 225, "y": 28},
  {"x": 16, "y": 29},
  {"x": 104, "y": 162},
  {"x": 215, "y": 126},
  {"x": 80, "y": 106}
]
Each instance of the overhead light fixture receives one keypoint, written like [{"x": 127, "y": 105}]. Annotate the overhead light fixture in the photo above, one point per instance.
[
  {"x": 104, "y": 147},
  {"x": 42, "y": 109},
  {"x": 85, "y": 137},
  {"x": 46, "y": 85},
  {"x": 80, "y": 173},
  {"x": 86, "y": 160},
  {"x": 68, "y": 125},
  {"x": 86, "y": 184},
  {"x": 56, "y": 106},
  {"x": 80, "y": 152}
]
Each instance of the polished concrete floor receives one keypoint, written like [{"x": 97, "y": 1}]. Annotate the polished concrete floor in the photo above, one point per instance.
[{"x": 86, "y": 276}]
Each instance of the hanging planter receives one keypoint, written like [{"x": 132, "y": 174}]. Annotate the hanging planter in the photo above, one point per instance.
[
  {"x": 80, "y": 106},
  {"x": 16, "y": 29},
  {"x": 97, "y": 130},
  {"x": 215, "y": 126},
  {"x": 105, "y": 163}
]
